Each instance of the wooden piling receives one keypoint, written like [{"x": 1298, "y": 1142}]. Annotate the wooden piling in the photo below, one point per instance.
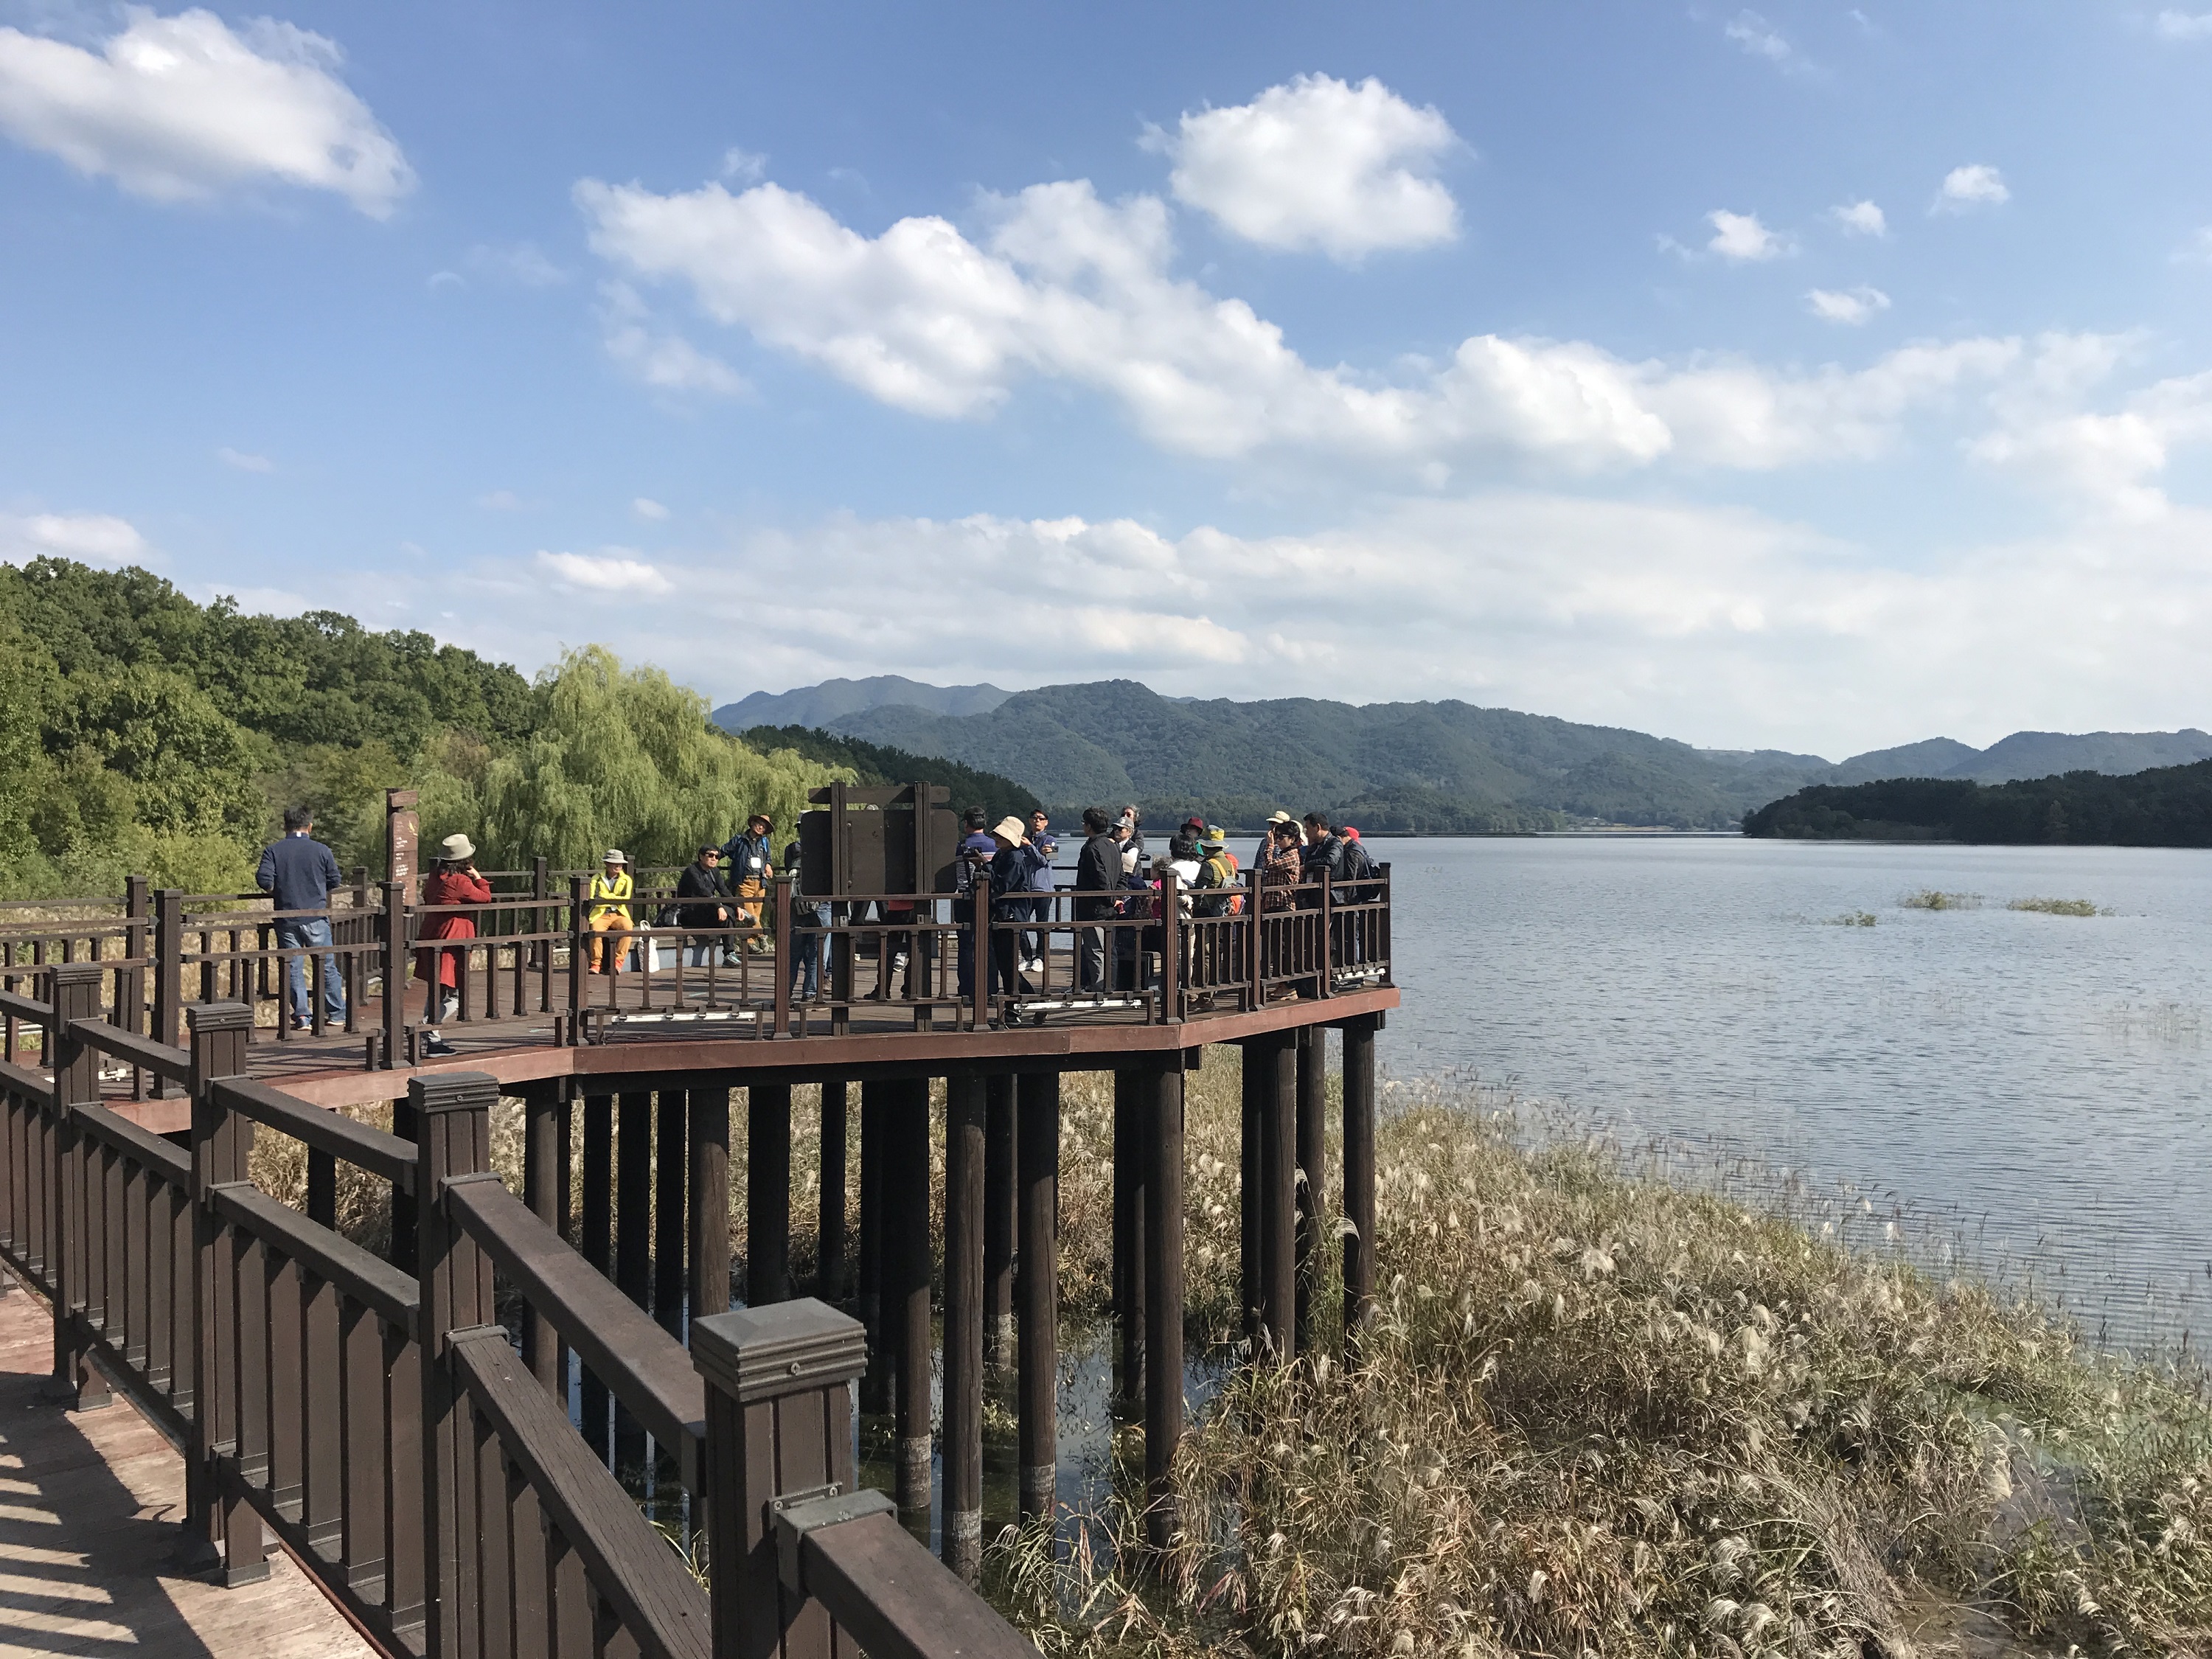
[
  {"x": 671, "y": 1139},
  {"x": 1277, "y": 1104},
  {"x": 830, "y": 1233},
  {"x": 1250, "y": 1196},
  {"x": 1131, "y": 1127},
  {"x": 876, "y": 1380},
  {"x": 595, "y": 1243},
  {"x": 999, "y": 1226},
  {"x": 540, "y": 1341},
  {"x": 963, "y": 1527},
  {"x": 906, "y": 1265},
  {"x": 1037, "y": 1291},
  {"x": 1358, "y": 1177},
  {"x": 632, "y": 1241},
  {"x": 709, "y": 1245},
  {"x": 1162, "y": 1104},
  {"x": 767, "y": 1194},
  {"x": 1312, "y": 1177}
]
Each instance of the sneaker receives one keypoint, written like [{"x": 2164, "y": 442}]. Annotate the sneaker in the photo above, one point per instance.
[
  {"x": 448, "y": 1008},
  {"x": 1034, "y": 965},
  {"x": 898, "y": 963},
  {"x": 433, "y": 1044}
]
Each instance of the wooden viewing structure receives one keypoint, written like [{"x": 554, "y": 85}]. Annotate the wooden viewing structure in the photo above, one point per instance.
[{"x": 375, "y": 1418}]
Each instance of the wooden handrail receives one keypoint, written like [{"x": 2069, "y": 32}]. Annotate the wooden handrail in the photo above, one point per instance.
[
  {"x": 385, "y": 1156},
  {"x": 881, "y": 1584},
  {"x": 174, "y": 1063},
  {"x": 28, "y": 1009},
  {"x": 641, "y": 1364},
  {"x": 655, "y": 1600},
  {"x": 143, "y": 1145},
  {"x": 23, "y": 1082},
  {"x": 368, "y": 1279}
]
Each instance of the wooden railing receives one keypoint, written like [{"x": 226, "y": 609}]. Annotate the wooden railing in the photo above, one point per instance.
[
  {"x": 375, "y": 1416},
  {"x": 1159, "y": 955}
]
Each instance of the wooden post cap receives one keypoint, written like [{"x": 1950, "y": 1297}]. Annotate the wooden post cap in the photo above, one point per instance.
[
  {"x": 787, "y": 1348},
  {"x": 216, "y": 1017},
  {"x": 453, "y": 1092}
]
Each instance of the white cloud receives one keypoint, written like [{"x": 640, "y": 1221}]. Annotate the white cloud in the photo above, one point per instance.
[
  {"x": 1852, "y": 307},
  {"x": 1761, "y": 38},
  {"x": 743, "y": 166},
  {"x": 1976, "y": 185},
  {"x": 1066, "y": 286},
  {"x": 1861, "y": 218},
  {"x": 2197, "y": 250},
  {"x": 89, "y": 538},
  {"x": 1721, "y": 625},
  {"x": 617, "y": 571},
  {"x": 1740, "y": 237},
  {"x": 181, "y": 108},
  {"x": 666, "y": 362},
  {"x": 2185, "y": 26},
  {"x": 244, "y": 461},
  {"x": 645, "y": 507},
  {"x": 523, "y": 264},
  {"x": 1317, "y": 164},
  {"x": 500, "y": 501}
]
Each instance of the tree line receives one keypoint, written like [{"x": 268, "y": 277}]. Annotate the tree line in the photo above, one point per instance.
[
  {"x": 2165, "y": 806},
  {"x": 142, "y": 732}
]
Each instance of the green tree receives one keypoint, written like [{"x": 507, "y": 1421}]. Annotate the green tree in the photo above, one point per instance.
[{"x": 626, "y": 757}]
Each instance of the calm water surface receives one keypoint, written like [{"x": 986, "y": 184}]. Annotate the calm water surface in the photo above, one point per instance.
[{"x": 2031, "y": 1086}]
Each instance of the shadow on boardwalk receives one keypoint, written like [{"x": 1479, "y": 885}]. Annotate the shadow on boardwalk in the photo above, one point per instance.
[{"x": 89, "y": 1509}]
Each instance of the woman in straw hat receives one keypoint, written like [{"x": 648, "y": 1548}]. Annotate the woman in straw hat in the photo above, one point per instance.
[
  {"x": 612, "y": 884},
  {"x": 454, "y": 881}
]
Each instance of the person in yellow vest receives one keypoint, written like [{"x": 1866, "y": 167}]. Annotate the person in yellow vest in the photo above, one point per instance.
[{"x": 612, "y": 882}]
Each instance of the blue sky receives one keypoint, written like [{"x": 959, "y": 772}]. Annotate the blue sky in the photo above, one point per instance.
[{"x": 1813, "y": 377}]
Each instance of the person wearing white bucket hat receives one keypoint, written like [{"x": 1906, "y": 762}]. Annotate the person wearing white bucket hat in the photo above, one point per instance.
[
  {"x": 614, "y": 885},
  {"x": 454, "y": 882}
]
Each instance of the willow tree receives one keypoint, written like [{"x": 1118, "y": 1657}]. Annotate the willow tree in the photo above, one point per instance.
[{"x": 627, "y": 758}]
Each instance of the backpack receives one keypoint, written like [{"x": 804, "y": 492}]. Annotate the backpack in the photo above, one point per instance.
[{"x": 1356, "y": 866}]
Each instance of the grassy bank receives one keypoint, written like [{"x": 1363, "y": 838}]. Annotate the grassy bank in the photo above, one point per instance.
[{"x": 1600, "y": 1415}]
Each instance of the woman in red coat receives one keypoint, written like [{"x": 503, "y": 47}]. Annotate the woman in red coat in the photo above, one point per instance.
[{"x": 455, "y": 881}]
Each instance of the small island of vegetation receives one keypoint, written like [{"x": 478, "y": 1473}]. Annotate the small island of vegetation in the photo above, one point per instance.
[{"x": 2165, "y": 806}]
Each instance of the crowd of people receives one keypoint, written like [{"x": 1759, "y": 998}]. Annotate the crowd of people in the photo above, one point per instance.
[{"x": 721, "y": 898}]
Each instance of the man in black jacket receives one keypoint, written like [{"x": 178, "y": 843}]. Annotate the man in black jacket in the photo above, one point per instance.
[
  {"x": 702, "y": 879},
  {"x": 1097, "y": 870}
]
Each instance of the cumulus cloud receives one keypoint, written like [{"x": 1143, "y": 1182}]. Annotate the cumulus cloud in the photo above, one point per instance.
[
  {"x": 1740, "y": 237},
  {"x": 1066, "y": 286},
  {"x": 1717, "y": 624},
  {"x": 500, "y": 501},
  {"x": 657, "y": 358},
  {"x": 182, "y": 108},
  {"x": 244, "y": 460},
  {"x": 647, "y": 509},
  {"x": 1759, "y": 38},
  {"x": 90, "y": 538},
  {"x": 616, "y": 571},
  {"x": 2184, "y": 25},
  {"x": 1318, "y": 164},
  {"x": 1973, "y": 185},
  {"x": 1852, "y": 307},
  {"x": 1861, "y": 218}
]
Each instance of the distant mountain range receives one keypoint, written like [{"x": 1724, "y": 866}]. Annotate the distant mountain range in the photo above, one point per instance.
[
  {"x": 834, "y": 700},
  {"x": 1431, "y": 767}
]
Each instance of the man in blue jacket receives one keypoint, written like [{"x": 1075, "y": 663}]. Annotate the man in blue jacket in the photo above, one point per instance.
[{"x": 300, "y": 873}]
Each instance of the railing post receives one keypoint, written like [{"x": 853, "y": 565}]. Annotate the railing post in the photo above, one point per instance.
[
  {"x": 453, "y": 1109},
  {"x": 1327, "y": 983},
  {"x": 394, "y": 922},
  {"x": 785, "y": 963},
  {"x": 1171, "y": 947},
  {"x": 1253, "y": 910},
  {"x": 979, "y": 982},
  {"x": 131, "y": 983},
  {"x": 168, "y": 963},
  {"x": 73, "y": 993},
  {"x": 221, "y": 1141},
  {"x": 778, "y": 1425},
  {"x": 579, "y": 956}
]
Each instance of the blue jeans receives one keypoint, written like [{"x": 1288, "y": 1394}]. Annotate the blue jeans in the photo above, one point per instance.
[
  {"x": 299, "y": 933},
  {"x": 810, "y": 950}
]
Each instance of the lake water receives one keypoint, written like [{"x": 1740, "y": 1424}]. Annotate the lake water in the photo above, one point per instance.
[{"x": 2025, "y": 1091}]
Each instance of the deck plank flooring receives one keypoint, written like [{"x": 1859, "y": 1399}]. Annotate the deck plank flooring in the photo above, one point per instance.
[{"x": 89, "y": 1509}]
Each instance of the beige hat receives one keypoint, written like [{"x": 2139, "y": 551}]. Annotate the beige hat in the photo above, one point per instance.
[
  {"x": 454, "y": 848},
  {"x": 1280, "y": 817},
  {"x": 615, "y": 855},
  {"x": 1013, "y": 830}
]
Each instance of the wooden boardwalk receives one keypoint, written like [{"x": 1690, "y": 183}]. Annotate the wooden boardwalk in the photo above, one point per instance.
[{"x": 89, "y": 1504}]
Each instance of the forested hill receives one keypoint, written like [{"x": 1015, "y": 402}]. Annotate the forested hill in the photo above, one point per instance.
[
  {"x": 140, "y": 731},
  {"x": 1436, "y": 767},
  {"x": 2168, "y": 806}
]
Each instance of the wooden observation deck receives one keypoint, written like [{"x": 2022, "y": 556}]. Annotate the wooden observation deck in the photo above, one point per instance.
[{"x": 417, "y": 1456}]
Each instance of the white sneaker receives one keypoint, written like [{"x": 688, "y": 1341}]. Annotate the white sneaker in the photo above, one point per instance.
[
  {"x": 1032, "y": 966},
  {"x": 898, "y": 963},
  {"x": 448, "y": 1009}
]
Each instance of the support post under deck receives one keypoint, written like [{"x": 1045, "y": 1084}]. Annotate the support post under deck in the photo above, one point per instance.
[
  {"x": 709, "y": 1244},
  {"x": 876, "y": 1381},
  {"x": 964, "y": 1324},
  {"x": 1037, "y": 1291},
  {"x": 906, "y": 1290},
  {"x": 1359, "y": 1177},
  {"x": 595, "y": 1243},
  {"x": 1131, "y": 1130},
  {"x": 767, "y": 1194},
  {"x": 632, "y": 1241},
  {"x": 830, "y": 1232},
  {"x": 1278, "y": 1112},
  {"x": 1312, "y": 1156},
  {"x": 1000, "y": 1225},
  {"x": 1162, "y": 1108}
]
